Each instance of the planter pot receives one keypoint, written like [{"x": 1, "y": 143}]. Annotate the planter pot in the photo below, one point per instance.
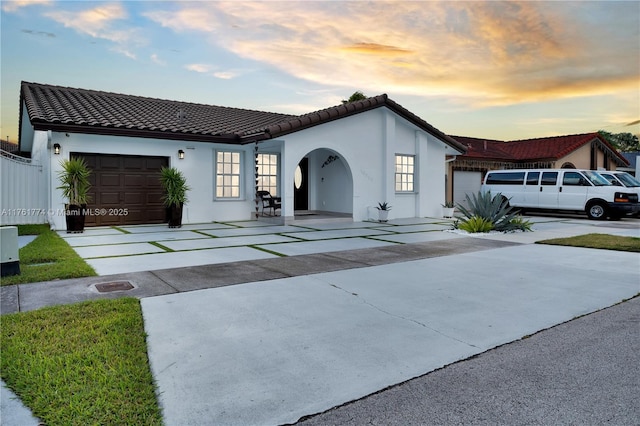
[
  {"x": 448, "y": 211},
  {"x": 383, "y": 215},
  {"x": 174, "y": 215},
  {"x": 74, "y": 216}
]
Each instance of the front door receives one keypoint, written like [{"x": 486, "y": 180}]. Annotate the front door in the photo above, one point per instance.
[{"x": 301, "y": 186}]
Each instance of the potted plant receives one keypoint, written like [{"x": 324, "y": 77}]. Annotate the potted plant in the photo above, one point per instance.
[
  {"x": 383, "y": 211},
  {"x": 447, "y": 209},
  {"x": 75, "y": 185},
  {"x": 175, "y": 186}
]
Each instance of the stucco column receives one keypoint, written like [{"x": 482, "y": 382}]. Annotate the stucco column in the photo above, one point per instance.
[{"x": 388, "y": 157}]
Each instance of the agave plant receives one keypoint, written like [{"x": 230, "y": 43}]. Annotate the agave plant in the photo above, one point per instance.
[
  {"x": 475, "y": 224},
  {"x": 493, "y": 209}
]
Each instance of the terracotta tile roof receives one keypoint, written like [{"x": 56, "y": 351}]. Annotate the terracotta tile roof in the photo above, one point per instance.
[
  {"x": 68, "y": 109},
  {"x": 540, "y": 149},
  {"x": 88, "y": 111}
]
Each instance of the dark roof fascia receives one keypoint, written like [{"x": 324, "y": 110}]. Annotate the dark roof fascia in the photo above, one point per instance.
[
  {"x": 137, "y": 133},
  {"x": 606, "y": 146},
  {"x": 22, "y": 108}
]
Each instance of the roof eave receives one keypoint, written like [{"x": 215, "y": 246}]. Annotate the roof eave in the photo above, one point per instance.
[{"x": 132, "y": 132}]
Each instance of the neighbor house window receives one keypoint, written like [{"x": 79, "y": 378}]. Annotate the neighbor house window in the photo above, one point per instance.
[
  {"x": 268, "y": 173},
  {"x": 405, "y": 173},
  {"x": 228, "y": 174}
]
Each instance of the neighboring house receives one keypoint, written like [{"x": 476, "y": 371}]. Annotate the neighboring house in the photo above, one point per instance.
[
  {"x": 634, "y": 163},
  {"x": 343, "y": 159},
  {"x": 584, "y": 151}
]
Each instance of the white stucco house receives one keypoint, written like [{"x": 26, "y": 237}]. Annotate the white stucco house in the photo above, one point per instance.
[{"x": 342, "y": 160}]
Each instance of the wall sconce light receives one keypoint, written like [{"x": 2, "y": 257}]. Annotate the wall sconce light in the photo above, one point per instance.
[
  {"x": 181, "y": 154},
  {"x": 56, "y": 148}
]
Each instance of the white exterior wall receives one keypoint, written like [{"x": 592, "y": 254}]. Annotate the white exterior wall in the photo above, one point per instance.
[
  {"x": 367, "y": 143},
  {"x": 198, "y": 167}
]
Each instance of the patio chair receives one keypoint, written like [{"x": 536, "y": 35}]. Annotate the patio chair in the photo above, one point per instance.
[{"x": 269, "y": 203}]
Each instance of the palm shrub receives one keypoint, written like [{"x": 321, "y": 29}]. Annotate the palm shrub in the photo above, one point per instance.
[
  {"x": 175, "y": 186},
  {"x": 74, "y": 181},
  {"x": 495, "y": 210}
]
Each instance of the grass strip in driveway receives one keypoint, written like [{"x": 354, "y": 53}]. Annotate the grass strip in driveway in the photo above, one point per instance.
[
  {"x": 598, "y": 241},
  {"x": 47, "y": 258},
  {"x": 81, "y": 364}
]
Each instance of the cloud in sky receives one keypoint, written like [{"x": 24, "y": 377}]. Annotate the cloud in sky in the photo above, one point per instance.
[
  {"x": 485, "y": 53},
  {"x": 14, "y": 5},
  {"x": 101, "y": 21},
  {"x": 497, "y": 64}
]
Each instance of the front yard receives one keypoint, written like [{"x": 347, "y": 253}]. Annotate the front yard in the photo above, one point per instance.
[{"x": 87, "y": 363}]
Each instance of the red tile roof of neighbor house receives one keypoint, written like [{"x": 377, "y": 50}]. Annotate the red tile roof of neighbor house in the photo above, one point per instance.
[
  {"x": 540, "y": 149},
  {"x": 68, "y": 109}
]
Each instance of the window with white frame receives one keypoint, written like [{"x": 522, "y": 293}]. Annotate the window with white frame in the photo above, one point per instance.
[
  {"x": 228, "y": 174},
  {"x": 405, "y": 173},
  {"x": 268, "y": 173}
]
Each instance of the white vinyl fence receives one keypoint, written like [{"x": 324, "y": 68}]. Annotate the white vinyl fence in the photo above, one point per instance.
[{"x": 24, "y": 191}]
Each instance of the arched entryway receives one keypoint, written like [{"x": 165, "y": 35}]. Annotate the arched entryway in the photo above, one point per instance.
[{"x": 323, "y": 185}]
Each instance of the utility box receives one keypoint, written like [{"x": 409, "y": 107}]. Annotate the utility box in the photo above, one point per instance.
[{"x": 9, "y": 251}]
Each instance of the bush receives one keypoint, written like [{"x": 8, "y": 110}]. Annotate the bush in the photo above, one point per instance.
[{"x": 495, "y": 210}]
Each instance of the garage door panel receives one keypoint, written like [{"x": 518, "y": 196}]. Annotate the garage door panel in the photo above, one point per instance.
[
  {"x": 154, "y": 198},
  {"x": 134, "y": 180},
  {"x": 110, "y": 198},
  {"x": 109, "y": 179},
  {"x": 153, "y": 180},
  {"x": 128, "y": 182},
  {"x": 134, "y": 199},
  {"x": 155, "y": 163},
  {"x": 132, "y": 163},
  {"x": 108, "y": 162},
  {"x": 158, "y": 215}
]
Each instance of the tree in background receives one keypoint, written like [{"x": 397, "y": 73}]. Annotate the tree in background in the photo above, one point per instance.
[
  {"x": 357, "y": 96},
  {"x": 623, "y": 142}
]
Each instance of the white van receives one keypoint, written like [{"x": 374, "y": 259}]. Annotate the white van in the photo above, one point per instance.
[
  {"x": 620, "y": 179},
  {"x": 562, "y": 189},
  {"x": 623, "y": 179}
]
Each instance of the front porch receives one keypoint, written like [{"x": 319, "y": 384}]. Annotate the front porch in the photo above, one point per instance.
[{"x": 308, "y": 217}]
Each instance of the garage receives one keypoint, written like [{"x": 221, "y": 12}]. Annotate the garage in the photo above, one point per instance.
[
  {"x": 125, "y": 189},
  {"x": 465, "y": 183}
]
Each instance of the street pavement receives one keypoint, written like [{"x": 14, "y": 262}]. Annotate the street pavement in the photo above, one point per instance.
[{"x": 583, "y": 372}]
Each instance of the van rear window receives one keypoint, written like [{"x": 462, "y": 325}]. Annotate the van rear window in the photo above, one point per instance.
[{"x": 510, "y": 178}]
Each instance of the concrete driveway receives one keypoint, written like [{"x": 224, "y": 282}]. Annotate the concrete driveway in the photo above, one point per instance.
[{"x": 271, "y": 352}]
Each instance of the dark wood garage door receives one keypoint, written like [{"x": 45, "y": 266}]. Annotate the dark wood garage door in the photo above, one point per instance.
[{"x": 125, "y": 189}]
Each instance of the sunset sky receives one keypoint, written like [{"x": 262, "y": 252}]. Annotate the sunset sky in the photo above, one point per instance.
[{"x": 498, "y": 70}]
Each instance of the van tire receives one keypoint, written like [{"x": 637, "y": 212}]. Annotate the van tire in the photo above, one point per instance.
[{"x": 597, "y": 210}]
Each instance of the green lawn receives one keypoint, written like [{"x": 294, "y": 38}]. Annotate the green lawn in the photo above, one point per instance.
[
  {"x": 47, "y": 258},
  {"x": 82, "y": 364},
  {"x": 598, "y": 241}
]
